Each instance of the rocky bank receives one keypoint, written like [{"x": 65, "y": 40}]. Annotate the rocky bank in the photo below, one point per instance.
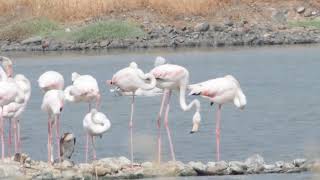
[{"x": 120, "y": 168}]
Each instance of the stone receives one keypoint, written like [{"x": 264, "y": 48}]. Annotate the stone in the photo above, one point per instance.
[
  {"x": 237, "y": 167},
  {"x": 147, "y": 165},
  {"x": 216, "y": 168},
  {"x": 314, "y": 13},
  {"x": 44, "y": 176},
  {"x": 255, "y": 164},
  {"x": 307, "y": 13},
  {"x": 280, "y": 16},
  {"x": 202, "y": 27},
  {"x": 299, "y": 162},
  {"x": 199, "y": 167},
  {"x": 32, "y": 40},
  {"x": 105, "y": 43},
  {"x": 271, "y": 168},
  {"x": 101, "y": 170},
  {"x": 300, "y": 9},
  {"x": 228, "y": 22}
]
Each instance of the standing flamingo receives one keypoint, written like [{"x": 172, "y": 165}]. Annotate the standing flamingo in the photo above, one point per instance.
[
  {"x": 173, "y": 77},
  {"x": 130, "y": 79},
  {"x": 52, "y": 103},
  {"x": 95, "y": 124},
  {"x": 51, "y": 80},
  {"x": 221, "y": 91},
  {"x": 84, "y": 89},
  {"x": 13, "y": 110}
]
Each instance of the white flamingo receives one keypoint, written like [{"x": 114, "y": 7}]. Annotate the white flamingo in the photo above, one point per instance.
[
  {"x": 53, "y": 102},
  {"x": 7, "y": 65},
  {"x": 84, "y": 89},
  {"x": 173, "y": 77},
  {"x": 13, "y": 110},
  {"x": 220, "y": 91},
  {"x": 130, "y": 79},
  {"x": 95, "y": 124},
  {"x": 51, "y": 80}
]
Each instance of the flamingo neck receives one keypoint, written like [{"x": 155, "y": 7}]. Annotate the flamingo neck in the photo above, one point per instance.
[
  {"x": 182, "y": 98},
  {"x": 3, "y": 74},
  {"x": 67, "y": 94},
  {"x": 146, "y": 76}
]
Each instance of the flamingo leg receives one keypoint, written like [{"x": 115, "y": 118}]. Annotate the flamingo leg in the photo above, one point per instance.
[
  {"x": 2, "y": 135},
  {"x": 131, "y": 131},
  {"x": 89, "y": 107},
  {"x": 19, "y": 137},
  {"x": 94, "y": 148},
  {"x": 58, "y": 137},
  {"x": 15, "y": 136},
  {"x": 165, "y": 93},
  {"x": 218, "y": 118},
  {"x": 87, "y": 146},
  {"x": 49, "y": 141},
  {"x": 9, "y": 138},
  {"x": 167, "y": 126},
  {"x": 98, "y": 101}
]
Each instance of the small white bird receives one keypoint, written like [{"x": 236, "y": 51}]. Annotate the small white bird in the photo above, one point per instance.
[
  {"x": 51, "y": 80},
  {"x": 53, "y": 102},
  {"x": 95, "y": 124}
]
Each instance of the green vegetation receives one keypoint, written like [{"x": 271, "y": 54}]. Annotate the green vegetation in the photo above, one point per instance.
[
  {"x": 27, "y": 28},
  {"x": 102, "y": 30},
  {"x": 307, "y": 23}
]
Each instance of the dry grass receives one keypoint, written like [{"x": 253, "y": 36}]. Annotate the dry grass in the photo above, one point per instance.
[{"x": 64, "y": 10}]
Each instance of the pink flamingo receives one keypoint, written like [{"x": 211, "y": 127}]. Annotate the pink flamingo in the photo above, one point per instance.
[
  {"x": 84, "y": 89},
  {"x": 95, "y": 124},
  {"x": 52, "y": 103},
  {"x": 173, "y": 77},
  {"x": 14, "y": 110},
  {"x": 221, "y": 91},
  {"x": 130, "y": 79},
  {"x": 51, "y": 80},
  {"x": 7, "y": 65}
]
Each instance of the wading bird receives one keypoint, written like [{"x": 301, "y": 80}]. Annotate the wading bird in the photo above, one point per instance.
[
  {"x": 130, "y": 79},
  {"x": 67, "y": 143},
  {"x": 52, "y": 104},
  {"x": 95, "y": 124},
  {"x": 51, "y": 80},
  {"x": 173, "y": 77},
  {"x": 220, "y": 91}
]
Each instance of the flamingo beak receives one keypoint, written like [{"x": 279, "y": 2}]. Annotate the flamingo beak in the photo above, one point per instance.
[
  {"x": 109, "y": 82},
  {"x": 195, "y": 128},
  {"x": 10, "y": 71}
]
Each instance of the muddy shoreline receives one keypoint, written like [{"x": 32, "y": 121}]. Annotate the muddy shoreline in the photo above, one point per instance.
[{"x": 203, "y": 34}]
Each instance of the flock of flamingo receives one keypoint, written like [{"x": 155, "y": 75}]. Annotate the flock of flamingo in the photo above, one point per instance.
[{"x": 164, "y": 78}]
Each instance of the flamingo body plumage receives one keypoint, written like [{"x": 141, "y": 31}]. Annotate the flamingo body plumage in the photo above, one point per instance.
[{"x": 51, "y": 80}]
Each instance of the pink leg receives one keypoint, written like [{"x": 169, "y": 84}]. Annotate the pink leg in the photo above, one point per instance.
[
  {"x": 167, "y": 127},
  {"x": 165, "y": 94},
  {"x": 19, "y": 137},
  {"x": 131, "y": 131},
  {"x": 2, "y": 135},
  {"x": 94, "y": 148},
  {"x": 15, "y": 136},
  {"x": 49, "y": 141},
  {"x": 98, "y": 101},
  {"x": 89, "y": 107},
  {"x": 218, "y": 118},
  {"x": 9, "y": 138},
  {"x": 87, "y": 146},
  {"x": 58, "y": 136}
]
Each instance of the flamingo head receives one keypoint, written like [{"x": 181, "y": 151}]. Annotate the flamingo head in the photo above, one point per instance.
[
  {"x": 7, "y": 64},
  {"x": 74, "y": 76},
  {"x": 159, "y": 61},
  {"x": 196, "y": 122},
  {"x": 133, "y": 65}
]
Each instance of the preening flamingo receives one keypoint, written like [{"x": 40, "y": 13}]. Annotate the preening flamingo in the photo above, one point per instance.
[
  {"x": 220, "y": 91},
  {"x": 173, "y": 77},
  {"x": 130, "y": 79},
  {"x": 52, "y": 104},
  {"x": 83, "y": 89},
  {"x": 13, "y": 110},
  {"x": 95, "y": 124},
  {"x": 51, "y": 80}
]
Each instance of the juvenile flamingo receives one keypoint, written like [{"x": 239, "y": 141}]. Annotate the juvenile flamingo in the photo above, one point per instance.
[
  {"x": 52, "y": 104},
  {"x": 95, "y": 124},
  {"x": 51, "y": 80},
  {"x": 173, "y": 77},
  {"x": 130, "y": 79},
  {"x": 84, "y": 89},
  {"x": 67, "y": 144},
  {"x": 221, "y": 91}
]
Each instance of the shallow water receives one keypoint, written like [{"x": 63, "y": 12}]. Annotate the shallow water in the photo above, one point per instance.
[{"x": 280, "y": 122}]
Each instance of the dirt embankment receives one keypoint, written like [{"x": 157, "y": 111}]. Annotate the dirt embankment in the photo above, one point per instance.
[{"x": 149, "y": 23}]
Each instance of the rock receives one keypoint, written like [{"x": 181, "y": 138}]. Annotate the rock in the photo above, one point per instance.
[
  {"x": 279, "y": 164},
  {"x": 299, "y": 162},
  {"x": 65, "y": 164},
  {"x": 202, "y": 27},
  {"x": 237, "y": 167},
  {"x": 101, "y": 170},
  {"x": 105, "y": 43},
  {"x": 271, "y": 168},
  {"x": 9, "y": 170},
  {"x": 147, "y": 165},
  {"x": 307, "y": 13},
  {"x": 314, "y": 13},
  {"x": 228, "y": 22},
  {"x": 255, "y": 164},
  {"x": 280, "y": 16},
  {"x": 44, "y": 176},
  {"x": 199, "y": 167},
  {"x": 300, "y": 9},
  {"x": 33, "y": 40},
  {"x": 216, "y": 168}
]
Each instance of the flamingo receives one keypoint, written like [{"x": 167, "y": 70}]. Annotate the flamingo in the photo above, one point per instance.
[
  {"x": 51, "y": 80},
  {"x": 95, "y": 124},
  {"x": 221, "y": 91},
  {"x": 173, "y": 77},
  {"x": 67, "y": 143},
  {"x": 84, "y": 89},
  {"x": 130, "y": 79},
  {"x": 52, "y": 104},
  {"x": 14, "y": 109},
  {"x": 139, "y": 92},
  {"x": 7, "y": 65}
]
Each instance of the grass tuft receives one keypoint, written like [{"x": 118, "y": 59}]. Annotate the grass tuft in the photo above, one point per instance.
[{"x": 315, "y": 23}]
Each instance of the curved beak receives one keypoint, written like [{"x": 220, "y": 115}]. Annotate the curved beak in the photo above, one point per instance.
[
  {"x": 109, "y": 82},
  {"x": 195, "y": 128},
  {"x": 10, "y": 71}
]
